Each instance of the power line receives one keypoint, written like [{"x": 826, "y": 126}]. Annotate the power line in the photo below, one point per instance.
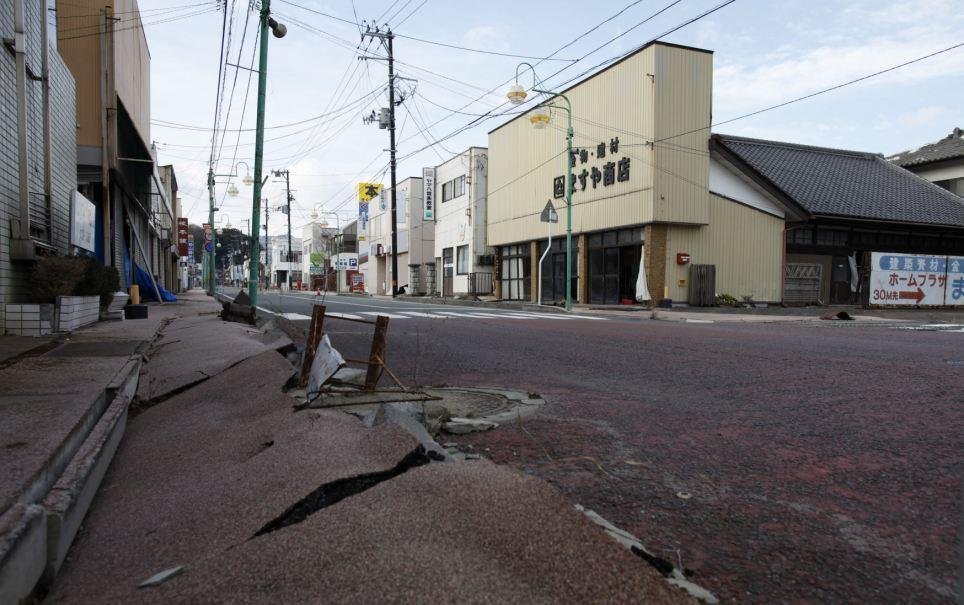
[
  {"x": 141, "y": 25},
  {"x": 415, "y": 10},
  {"x": 426, "y": 41}
]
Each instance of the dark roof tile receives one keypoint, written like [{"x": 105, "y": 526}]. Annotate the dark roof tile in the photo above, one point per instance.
[
  {"x": 835, "y": 182},
  {"x": 948, "y": 148}
]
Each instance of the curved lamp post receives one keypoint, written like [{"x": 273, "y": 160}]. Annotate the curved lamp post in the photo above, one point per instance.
[{"x": 540, "y": 119}]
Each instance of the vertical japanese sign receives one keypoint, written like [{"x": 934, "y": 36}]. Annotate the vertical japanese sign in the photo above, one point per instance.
[
  {"x": 428, "y": 193},
  {"x": 182, "y": 233},
  {"x": 907, "y": 279},
  {"x": 208, "y": 238},
  {"x": 366, "y": 193},
  {"x": 954, "y": 293},
  {"x": 190, "y": 249}
]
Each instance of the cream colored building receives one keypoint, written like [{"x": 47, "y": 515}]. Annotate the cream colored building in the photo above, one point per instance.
[
  {"x": 463, "y": 259},
  {"x": 415, "y": 239},
  {"x": 641, "y": 179}
]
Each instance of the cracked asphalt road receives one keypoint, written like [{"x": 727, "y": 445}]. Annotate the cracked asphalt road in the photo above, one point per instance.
[{"x": 778, "y": 462}]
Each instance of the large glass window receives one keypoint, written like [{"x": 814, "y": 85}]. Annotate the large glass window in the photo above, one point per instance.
[
  {"x": 462, "y": 259},
  {"x": 514, "y": 274}
]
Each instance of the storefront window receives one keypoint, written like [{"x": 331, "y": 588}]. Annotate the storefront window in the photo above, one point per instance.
[{"x": 515, "y": 272}]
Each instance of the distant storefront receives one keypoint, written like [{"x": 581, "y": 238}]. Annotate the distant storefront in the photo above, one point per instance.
[{"x": 664, "y": 211}]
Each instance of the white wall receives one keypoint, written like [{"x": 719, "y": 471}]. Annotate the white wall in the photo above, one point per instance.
[{"x": 461, "y": 220}]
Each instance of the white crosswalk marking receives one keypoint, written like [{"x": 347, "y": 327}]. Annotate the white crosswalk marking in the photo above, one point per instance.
[
  {"x": 389, "y": 315},
  {"x": 343, "y": 315}
]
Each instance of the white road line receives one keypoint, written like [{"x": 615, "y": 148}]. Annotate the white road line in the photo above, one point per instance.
[
  {"x": 389, "y": 315},
  {"x": 342, "y": 315},
  {"x": 420, "y": 314},
  {"x": 294, "y": 316}
]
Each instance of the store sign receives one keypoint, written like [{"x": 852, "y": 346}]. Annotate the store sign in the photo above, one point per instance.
[
  {"x": 190, "y": 247},
  {"x": 909, "y": 279},
  {"x": 182, "y": 233},
  {"x": 82, "y": 221},
  {"x": 428, "y": 195},
  {"x": 608, "y": 173}
]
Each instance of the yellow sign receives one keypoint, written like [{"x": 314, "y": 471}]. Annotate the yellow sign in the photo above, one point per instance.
[{"x": 368, "y": 191}]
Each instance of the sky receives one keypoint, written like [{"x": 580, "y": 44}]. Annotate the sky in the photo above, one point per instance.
[{"x": 765, "y": 53}]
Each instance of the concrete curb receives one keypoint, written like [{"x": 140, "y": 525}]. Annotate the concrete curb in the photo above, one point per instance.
[
  {"x": 70, "y": 498},
  {"x": 23, "y": 551},
  {"x": 505, "y": 305},
  {"x": 35, "y": 538}
]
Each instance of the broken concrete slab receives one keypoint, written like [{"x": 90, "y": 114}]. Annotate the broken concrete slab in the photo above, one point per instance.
[
  {"x": 468, "y": 532},
  {"x": 180, "y": 358},
  {"x": 411, "y": 418},
  {"x": 203, "y": 471},
  {"x": 463, "y": 426}
]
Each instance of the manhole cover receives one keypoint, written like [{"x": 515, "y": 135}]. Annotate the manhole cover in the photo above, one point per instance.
[
  {"x": 113, "y": 348},
  {"x": 472, "y": 404}
]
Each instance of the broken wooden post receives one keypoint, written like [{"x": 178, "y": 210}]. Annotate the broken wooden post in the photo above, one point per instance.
[
  {"x": 314, "y": 337},
  {"x": 377, "y": 355}
]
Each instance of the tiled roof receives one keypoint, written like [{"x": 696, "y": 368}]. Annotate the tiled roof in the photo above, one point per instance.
[
  {"x": 835, "y": 182},
  {"x": 950, "y": 147}
]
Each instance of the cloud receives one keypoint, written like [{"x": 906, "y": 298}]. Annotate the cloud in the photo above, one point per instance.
[
  {"x": 742, "y": 87},
  {"x": 486, "y": 37}
]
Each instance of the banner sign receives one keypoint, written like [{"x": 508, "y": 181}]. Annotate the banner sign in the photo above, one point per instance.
[
  {"x": 190, "y": 248},
  {"x": 366, "y": 193},
  {"x": 915, "y": 279},
  {"x": 428, "y": 193},
  {"x": 182, "y": 233},
  {"x": 82, "y": 219}
]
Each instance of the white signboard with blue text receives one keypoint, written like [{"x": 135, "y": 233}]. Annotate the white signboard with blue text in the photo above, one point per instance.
[
  {"x": 954, "y": 293},
  {"x": 908, "y": 279},
  {"x": 82, "y": 221}
]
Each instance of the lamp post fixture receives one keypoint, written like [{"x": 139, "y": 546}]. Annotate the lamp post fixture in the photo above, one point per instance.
[{"x": 540, "y": 119}]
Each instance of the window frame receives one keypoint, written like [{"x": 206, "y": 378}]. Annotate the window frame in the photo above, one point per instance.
[{"x": 459, "y": 257}]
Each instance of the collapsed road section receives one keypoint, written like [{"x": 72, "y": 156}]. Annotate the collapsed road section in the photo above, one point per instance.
[{"x": 222, "y": 491}]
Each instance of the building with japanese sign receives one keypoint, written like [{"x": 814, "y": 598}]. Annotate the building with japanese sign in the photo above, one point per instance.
[
  {"x": 664, "y": 211},
  {"x": 415, "y": 236},
  {"x": 462, "y": 258}
]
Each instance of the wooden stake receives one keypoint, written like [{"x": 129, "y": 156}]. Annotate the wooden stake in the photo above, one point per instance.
[
  {"x": 375, "y": 363},
  {"x": 311, "y": 345}
]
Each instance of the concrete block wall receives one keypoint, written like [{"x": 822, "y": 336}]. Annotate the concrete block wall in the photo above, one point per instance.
[
  {"x": 74, "y": 312},
  {"x": 15, "y": 275},
  {"x": 29, "y": 320}
]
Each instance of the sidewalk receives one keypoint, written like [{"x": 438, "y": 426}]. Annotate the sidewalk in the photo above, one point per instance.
[
  {"x": 231, "y": 495},
  {"x": 64, "y": 405}
]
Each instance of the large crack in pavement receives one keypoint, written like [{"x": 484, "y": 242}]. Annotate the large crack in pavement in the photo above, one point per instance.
[{"x": 336, "y": 491}]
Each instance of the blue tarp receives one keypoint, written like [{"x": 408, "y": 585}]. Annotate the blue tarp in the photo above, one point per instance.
[{"x": 143, "y": 280}]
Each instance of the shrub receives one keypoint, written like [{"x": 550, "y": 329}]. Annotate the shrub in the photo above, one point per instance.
[
  {"x": 727, "y": 300},
  {"x": 55, "y": 276},
  {"x": 99, "y": 281}
]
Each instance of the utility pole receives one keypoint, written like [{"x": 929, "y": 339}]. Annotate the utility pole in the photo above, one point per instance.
[
  {"x": 267, "y": 245},
  {"x": 210, "y": 255},
  {"x": 387, "y": 37},
  {"x": 279, "y": 30},
  {"x": 287, "y": 209}
]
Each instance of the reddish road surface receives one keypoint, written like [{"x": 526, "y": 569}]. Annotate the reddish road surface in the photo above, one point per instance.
[{"x": 778, "y": 462}]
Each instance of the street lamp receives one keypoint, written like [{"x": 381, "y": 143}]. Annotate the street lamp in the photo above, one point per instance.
[
  {"x": 540, "y": 118},
  {"x": 279, "y": 30},
  {"x": 232, "y": 190},
  {"x": 247, "y": 180}
]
